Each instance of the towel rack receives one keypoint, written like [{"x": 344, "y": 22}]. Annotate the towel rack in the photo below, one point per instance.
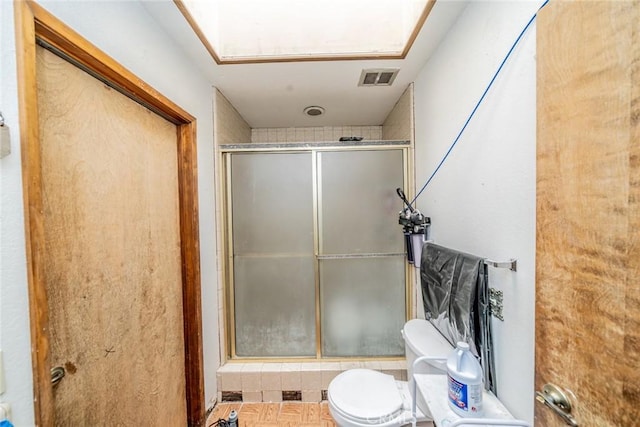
[{"x": 511, "y": 264}]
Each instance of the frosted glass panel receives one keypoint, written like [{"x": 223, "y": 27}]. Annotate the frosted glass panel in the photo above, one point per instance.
[
  {"x": 362, "y": 299},
  {"x": 274, "y": 280},
  {"x": 275, "y": 306},
  {"x": 362, "y": 306},
  {"x": 359, "y": 204},
  {"x": 272, "y": 203}
]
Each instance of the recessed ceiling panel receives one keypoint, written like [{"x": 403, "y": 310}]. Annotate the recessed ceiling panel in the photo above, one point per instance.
[{"x": 237, "y": 31}]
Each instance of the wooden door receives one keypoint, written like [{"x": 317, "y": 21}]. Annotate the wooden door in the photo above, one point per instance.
[
  {"x": 111, "y": 215},
  {"x": 112, "y": 263},
  {"x": 588, "y": 210}
]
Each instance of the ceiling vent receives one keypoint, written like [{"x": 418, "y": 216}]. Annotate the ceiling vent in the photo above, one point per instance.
[
  {"x": 378, "y": 77},
  {"x": 313, "y": 111}
]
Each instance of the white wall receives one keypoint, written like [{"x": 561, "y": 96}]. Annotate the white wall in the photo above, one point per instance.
[
  {"x": 482, "y": 201},
  {"x": 14, "y": 307},
  {"x": 125, "y": 31}
]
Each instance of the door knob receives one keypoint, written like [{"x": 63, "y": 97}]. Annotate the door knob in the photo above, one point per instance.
[
  {"x": 556, "y": 399},
  {"x": 57, "y": 374}
]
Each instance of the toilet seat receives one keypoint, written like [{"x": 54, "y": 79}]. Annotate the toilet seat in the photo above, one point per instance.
[{"x": 366, "y": 397}]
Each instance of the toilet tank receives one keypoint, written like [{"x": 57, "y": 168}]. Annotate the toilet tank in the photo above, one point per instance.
[{"x": 421, "y": 338}]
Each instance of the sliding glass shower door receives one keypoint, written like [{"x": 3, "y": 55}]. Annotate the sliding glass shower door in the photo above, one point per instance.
[
  {"x": 273, "y": 255},
  {"x": 362, "y": 281},
  {"x": 318, "y": 260}
]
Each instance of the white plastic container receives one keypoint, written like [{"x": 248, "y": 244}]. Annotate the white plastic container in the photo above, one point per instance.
[{"x": 464, "y": 382}]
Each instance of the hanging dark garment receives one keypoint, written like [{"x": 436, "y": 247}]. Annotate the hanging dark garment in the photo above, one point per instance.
[{"x": 455, "y": 294}]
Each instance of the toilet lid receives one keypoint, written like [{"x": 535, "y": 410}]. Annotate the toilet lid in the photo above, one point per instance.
[
  {"x": 363, "y": 394},
  {"x": 424, "y": 339}
]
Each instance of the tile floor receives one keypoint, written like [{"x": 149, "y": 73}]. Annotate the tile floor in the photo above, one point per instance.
[{"x": 287, "y": 414}]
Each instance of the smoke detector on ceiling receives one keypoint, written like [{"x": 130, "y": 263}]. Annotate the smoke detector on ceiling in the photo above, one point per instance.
[
  {"x": 313, "y": 111},
  {"x": 378, "y": 76}
]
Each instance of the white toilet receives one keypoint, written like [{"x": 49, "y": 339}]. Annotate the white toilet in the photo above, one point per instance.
[{"x": 365, "y": 398}]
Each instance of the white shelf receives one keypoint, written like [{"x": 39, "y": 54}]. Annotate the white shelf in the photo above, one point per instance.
[{"x": 434, "y": 390}]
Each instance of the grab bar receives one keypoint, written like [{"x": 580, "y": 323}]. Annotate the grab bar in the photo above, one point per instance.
[{"x": 488, "y": 421}]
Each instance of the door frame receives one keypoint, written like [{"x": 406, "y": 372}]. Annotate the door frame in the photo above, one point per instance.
[{"x": 35, "y": 25}]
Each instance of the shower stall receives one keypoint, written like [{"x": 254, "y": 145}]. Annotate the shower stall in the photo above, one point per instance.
[{"x": 315, "y": 264}]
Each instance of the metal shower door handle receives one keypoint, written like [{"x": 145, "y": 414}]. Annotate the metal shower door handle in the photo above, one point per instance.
[{"x": 556, "y": 399}]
